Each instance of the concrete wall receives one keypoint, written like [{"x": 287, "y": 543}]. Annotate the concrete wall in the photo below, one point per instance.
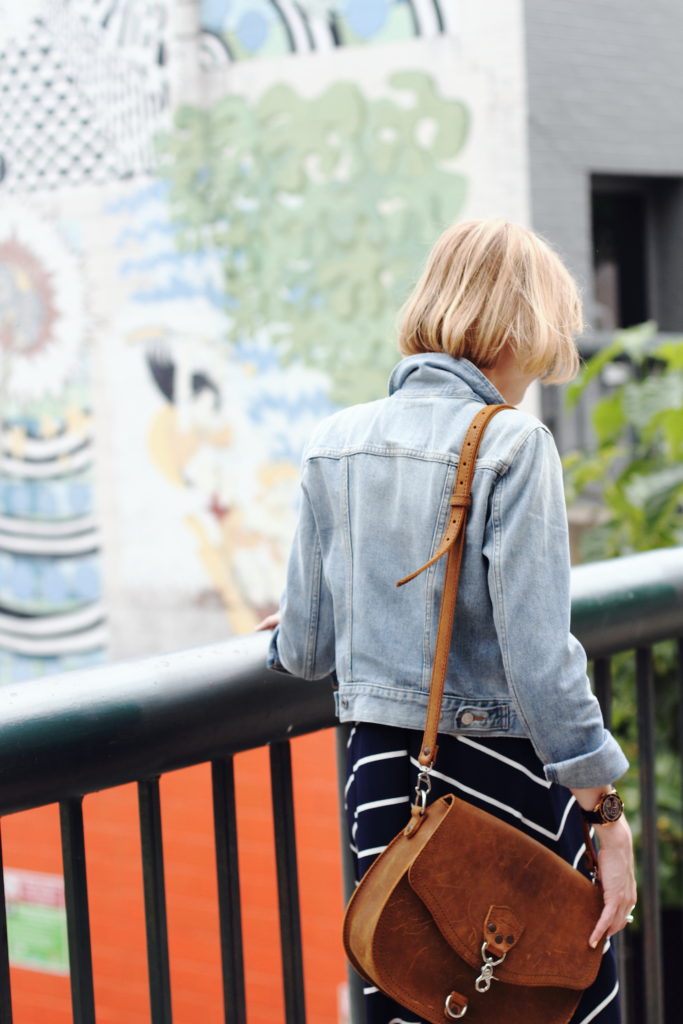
[{"x": 605, "y": 79}]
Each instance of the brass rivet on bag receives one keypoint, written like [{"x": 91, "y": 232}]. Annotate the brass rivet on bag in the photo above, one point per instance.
[
  {"x": 499, "y": 939},
  {"x": 510, "y": 939},
  {"x": 427, "y": 751},
  {"x": 492, "y": 927}
]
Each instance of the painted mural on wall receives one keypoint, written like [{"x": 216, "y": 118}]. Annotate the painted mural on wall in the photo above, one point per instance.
[
  {"x": 243, "y": 29},
  {"x": 51, "y": 615},
  {"x": 223, "y": 425},
  {"x": 260, "y": 248},
  {"x": 320, "y": 211},
  {"x": 263, "y": 276},
  {"x": 83, "y": 86}
]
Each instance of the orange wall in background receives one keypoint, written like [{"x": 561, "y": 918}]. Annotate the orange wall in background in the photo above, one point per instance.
[{"x": 31, "y": 842}]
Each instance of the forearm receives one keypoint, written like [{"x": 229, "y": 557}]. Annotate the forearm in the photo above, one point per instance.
[
  {"x": 588, "y": 798},
  {"x": 610, "y": 833}
]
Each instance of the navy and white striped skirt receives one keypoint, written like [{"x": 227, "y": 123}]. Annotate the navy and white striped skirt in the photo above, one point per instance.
[{"x": 501, "y": 775}]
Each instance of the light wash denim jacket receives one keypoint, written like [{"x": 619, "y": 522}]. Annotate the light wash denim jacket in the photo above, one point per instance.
[{"x": 377, "y": 479}]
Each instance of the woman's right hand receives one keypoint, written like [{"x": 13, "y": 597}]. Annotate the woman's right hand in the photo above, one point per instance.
[
  {"x": 617, "y": 877},
  {"x": 270, "y": 622}
]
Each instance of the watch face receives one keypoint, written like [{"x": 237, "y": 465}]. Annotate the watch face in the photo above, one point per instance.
[{"x": 611, "y": 807}]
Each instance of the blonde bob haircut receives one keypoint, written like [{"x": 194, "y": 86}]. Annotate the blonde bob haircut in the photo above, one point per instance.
[{"x": 488, "y": 284}]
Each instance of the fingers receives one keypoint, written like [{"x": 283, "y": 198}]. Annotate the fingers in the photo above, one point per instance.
[
  {"x": 601, "y": 927},
  {"x": 615, "y": 916},
  {"x": 270, "y": 622},
  {"x": 615, "y": 867}
]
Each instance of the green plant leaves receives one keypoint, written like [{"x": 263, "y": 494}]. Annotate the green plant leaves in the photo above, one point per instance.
[
  {"x": 322, "y": 209},
  {"x": 635, "y": 475},
  {"x": 629, "y": 341}
]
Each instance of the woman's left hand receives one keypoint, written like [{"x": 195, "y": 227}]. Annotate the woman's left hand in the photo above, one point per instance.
[
  {"x": 270, "y": 622},
  {"x": 617, "y": 876}
]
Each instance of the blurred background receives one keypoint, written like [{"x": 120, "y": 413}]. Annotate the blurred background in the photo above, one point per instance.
[{"x": 210, "y": 212}]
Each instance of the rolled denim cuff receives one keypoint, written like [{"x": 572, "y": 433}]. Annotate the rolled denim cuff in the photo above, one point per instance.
[
  {"x": 273, "y": 658},
  {"x": 600, "y": 767}
]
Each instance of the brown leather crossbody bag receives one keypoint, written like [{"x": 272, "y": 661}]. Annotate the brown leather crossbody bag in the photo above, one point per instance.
[{"x": 463, "y": 914}]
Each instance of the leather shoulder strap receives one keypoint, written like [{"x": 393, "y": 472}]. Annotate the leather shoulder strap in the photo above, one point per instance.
[{"x": 453, "y": 543}]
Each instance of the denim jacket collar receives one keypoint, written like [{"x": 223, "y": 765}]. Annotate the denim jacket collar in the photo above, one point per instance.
[{"x": 434, "y": 372}]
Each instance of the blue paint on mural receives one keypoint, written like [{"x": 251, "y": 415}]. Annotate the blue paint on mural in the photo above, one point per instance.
[
  {"x": 366, "y": 17},
  {"x": 50, "y": 587},
  {"x": 252, "y": 30},
  {"x": 266, "y": 28},
  {"x": 56, "y": 498},
  {"x": 131, "y": 202}
]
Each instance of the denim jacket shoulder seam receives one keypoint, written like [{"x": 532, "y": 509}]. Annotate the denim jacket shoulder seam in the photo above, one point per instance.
[
  {"x": 508, "y": 460},
  {"x": 348, "y": 547},
  {"x": 312, "y": 639}
]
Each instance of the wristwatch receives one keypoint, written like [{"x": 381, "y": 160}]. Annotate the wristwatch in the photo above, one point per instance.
[{"x": 608, "y": 809}]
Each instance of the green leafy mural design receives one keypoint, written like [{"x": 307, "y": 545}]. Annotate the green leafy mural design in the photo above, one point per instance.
[{"x": 322, "y": 210}]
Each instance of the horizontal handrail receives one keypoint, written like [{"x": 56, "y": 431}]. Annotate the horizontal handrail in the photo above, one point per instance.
[
  {"x": 624, "y": 603},
  {"x": 67, "y": 735}
]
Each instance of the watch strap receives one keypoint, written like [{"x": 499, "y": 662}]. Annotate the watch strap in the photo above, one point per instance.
[{"x": 599, "y": 815}]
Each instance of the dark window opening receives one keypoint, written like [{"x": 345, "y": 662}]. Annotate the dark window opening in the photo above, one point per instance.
[
  {"x": 619, "y": 257},
  {"x": 637, "y": 235}
]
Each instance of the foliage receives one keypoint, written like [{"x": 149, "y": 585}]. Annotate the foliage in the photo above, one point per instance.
[
  {"x": 321, "y": 210},
  {"x": 636, "y": 473},
  {"x": 667, "y": 760},
  {"x": 636, "y": 470}
]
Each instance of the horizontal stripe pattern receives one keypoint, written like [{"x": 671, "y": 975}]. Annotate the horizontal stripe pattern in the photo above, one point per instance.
[
  {"x": 58, "y": 546},
  {"x": 55, "y": 624},
  {"x": 47, "y": 529},
  {"x": 91, "y": 639},
  {"x": 41, "y": 470},
  {"x": 42, "y": 449},
  {"x": 500, "y": 775}
]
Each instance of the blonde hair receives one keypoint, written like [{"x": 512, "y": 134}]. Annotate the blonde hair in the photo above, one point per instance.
[{"x": 490, "y": 283}]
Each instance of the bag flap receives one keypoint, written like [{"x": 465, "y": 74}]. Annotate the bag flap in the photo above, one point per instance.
[{"x": 483, "y": 880}]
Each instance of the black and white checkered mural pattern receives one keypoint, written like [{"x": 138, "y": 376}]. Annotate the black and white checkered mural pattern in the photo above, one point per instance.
[{"x": 83, "y": 84}]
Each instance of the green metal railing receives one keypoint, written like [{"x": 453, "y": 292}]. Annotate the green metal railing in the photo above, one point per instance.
[{"x": 62, "y": 737}]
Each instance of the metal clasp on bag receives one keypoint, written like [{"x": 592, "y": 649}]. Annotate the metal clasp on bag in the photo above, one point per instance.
[
  {"x": 483, "y": 982},
  {"x": 421, "y": 794}
]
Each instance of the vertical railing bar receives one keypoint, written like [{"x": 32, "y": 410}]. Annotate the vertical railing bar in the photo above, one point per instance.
[
  {"x": 356, "y": 998},
  {"x": 5, "y": 985},
  {"x": 649, "y": 900},
  {"x": 77, "y": 916},
  {"x": 155, "y": 901},
  {"x": 624, "y": 968},
  {"x": 679, "y": 677},
  {"x": 229, "y": 904},
  {"x": 602, "y": 674},
  {"x": 287, "y": 881}
]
